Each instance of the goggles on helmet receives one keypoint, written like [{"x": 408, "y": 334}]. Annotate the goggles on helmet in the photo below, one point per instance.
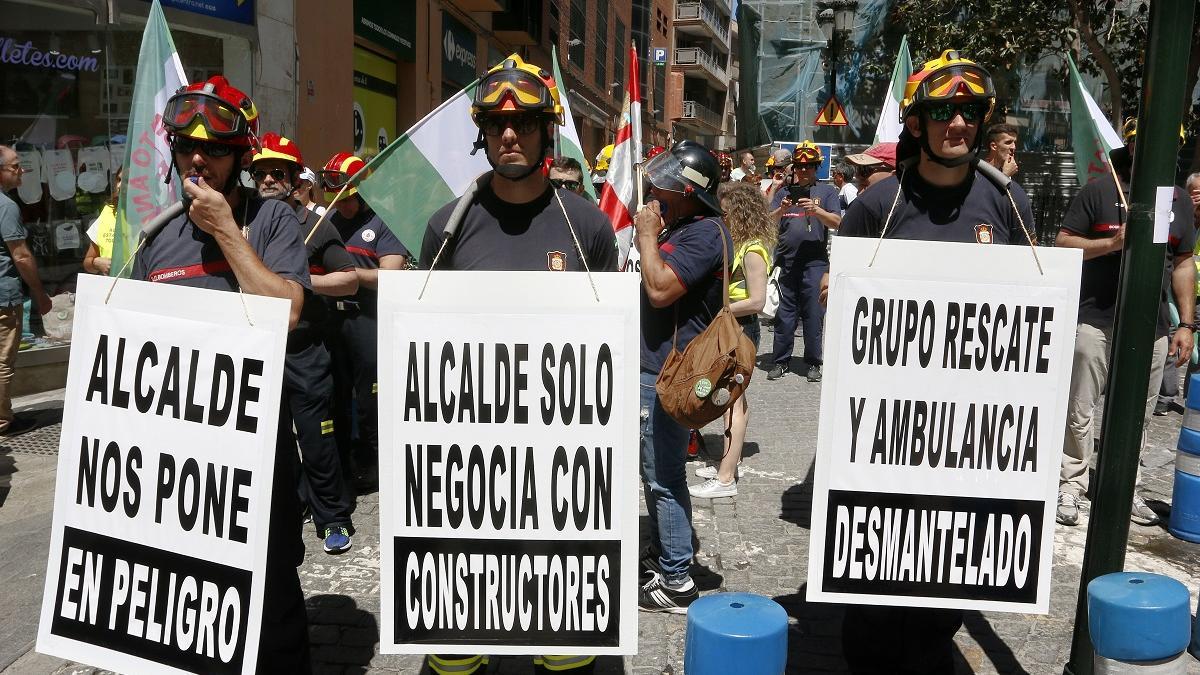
[
  {"x": 218, "y": 117},
  {"x": 525, "y": 90},
  {"x": 666, "y": 172},
  {"x": 334, "y": 180},
  {"x": 957, "y": 80}
]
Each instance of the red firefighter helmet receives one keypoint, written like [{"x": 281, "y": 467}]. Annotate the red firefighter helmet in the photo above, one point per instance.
[
  {"x": 213, "y": 110},
  {"x": 338, "y": 171},
  {"x": 275, "y": 146}
]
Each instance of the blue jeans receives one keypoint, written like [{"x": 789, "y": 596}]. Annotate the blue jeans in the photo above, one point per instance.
[{"x": 664, "y": 477}]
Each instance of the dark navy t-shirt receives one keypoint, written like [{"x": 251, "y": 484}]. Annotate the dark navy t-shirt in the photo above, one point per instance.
[
  {"x": 182, "y": 253},
  {"x": 802, "y": 236},
  {"x": 975, "y": 211},
  {"x": 326, "y": 253},
  {"x": 367, "y": 240},
  {"x": 1096, "y": 213},
  {"x": 497, "y": 235},
  {"x": 692, "y": 250}
]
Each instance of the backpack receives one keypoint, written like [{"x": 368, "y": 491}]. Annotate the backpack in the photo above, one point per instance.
[{"x": 697, "y": 385}]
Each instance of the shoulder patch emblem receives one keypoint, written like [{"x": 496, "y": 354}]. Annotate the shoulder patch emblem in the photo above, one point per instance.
[
  {"x": 556, "y": 261},
  {"x": 983, "y": 233},
  {"x": 368, "y": 235}
]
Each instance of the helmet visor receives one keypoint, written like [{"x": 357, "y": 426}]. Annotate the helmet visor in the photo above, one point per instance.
[
  {"x": 218, "y": 117},
  {"x": 334, "y": 180},
  {"x": 666, "y": 172},
  {"x": 957, "y": 80},
  {"x": 524, "y": 89}
]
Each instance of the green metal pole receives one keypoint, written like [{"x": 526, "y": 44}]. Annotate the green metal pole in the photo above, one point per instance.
[{"x": 1157, "y": 146}]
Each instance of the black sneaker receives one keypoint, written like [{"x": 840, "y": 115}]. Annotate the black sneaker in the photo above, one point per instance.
[
  {"x": 648, "y": 563},
  {"x": 814, "y": 373},
  {"x": 776, "y": 372},
  {"x": 1161, "y": 408},
  {"x": 656, "y": 596},
  {"x": 18, "y": 426}
]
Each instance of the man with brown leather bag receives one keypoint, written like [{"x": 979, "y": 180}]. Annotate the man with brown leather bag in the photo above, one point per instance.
[{"x": 682, "y": 243}]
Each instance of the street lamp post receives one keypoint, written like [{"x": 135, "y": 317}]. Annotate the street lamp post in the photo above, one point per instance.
[{"x": 836, "y": 19}]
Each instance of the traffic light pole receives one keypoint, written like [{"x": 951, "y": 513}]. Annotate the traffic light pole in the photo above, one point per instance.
[{"x": 1141, "y": 280}]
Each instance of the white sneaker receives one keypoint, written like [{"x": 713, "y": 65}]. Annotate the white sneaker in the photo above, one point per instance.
[
  {"x": 710, "y": 472},
  {"x": 713, "y": 488},
  {"x": 1067, "y": 512},
  {"x": 1141, "y": 513}
]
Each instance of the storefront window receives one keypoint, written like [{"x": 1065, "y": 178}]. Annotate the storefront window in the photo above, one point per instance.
[{"x": 68, "y": 87}]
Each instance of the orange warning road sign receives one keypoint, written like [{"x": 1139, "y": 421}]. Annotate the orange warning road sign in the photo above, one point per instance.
[{"x": 832, "y": 115}]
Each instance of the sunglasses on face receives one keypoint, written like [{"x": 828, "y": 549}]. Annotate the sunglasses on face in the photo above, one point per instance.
[
  {"x": 944, "y": 112},
  {"x": 566, "y": 184},
  {"x": 188, "y": 146},
  {"x": 495, "y": 125},
  {"x": 278, "y": 174}
]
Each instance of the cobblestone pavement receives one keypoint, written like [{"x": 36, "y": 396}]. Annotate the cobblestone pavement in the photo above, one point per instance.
[{"x": 756, "y": 542}]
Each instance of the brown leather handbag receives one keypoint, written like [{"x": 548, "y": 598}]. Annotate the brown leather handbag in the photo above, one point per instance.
[{"x": 697, "y": 385}]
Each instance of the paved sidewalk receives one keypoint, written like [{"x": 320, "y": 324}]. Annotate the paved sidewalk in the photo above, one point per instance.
[{"x": 756, "y": 542}]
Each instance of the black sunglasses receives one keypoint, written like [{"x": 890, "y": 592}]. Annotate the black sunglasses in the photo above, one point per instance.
[
  {"x": 261, "y": 175},
  {"x": 571, "y": 185},
  {"x": 188, "y": 146},
  {"x": 944, "y": 112},
  {"x": 494, "y": 125}
]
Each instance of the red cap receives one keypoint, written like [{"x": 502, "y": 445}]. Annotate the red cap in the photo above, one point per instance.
[{"x": 882, "y": 153}]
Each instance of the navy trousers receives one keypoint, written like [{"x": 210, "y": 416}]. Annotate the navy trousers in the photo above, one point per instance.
[
  {"x": 308, "y": 395},
  {"x": 799, "y": 295}
]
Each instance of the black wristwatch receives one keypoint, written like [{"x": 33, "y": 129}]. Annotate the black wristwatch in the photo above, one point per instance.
[{"x": 1189, "y": 326}]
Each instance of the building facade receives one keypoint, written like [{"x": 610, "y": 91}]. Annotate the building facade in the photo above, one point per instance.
[{"x": 699, "y": 90}]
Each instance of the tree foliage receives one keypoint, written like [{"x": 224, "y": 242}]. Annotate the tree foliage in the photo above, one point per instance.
[{"x": 1106, "y": 38}]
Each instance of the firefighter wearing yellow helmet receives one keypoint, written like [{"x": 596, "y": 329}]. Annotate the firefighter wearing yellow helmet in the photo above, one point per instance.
[
  {"x": 946, "y": 195},
  {"x": 515, "y": 220},
  {"x": 520, "y": 96},
  {"x": 946, "y": 88}
]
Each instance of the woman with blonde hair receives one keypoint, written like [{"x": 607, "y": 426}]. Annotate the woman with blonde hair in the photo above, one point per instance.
[{"x": 754, "y": 237}]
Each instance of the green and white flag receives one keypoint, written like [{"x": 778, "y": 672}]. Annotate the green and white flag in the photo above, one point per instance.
[
  {"x": 890, "y": 125},
  {"x": 425, "y": 168},
  {"x": 145, "y": 191},
  {"x": 431, "y": 164},
  {"x": 568, "y": 135},
  {"x": 1092, "y": 136}
]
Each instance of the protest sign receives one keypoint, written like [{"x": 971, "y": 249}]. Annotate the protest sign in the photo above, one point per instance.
[
  {"x": 946, "y": 378},
  {"x": 163, "y": 490},
  {"x": 508, "y": 463}
]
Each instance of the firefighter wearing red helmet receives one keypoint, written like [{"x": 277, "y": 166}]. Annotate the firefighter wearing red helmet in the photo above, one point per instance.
[
  {"x": 518, "y": 221},
  {"x": 352, "y": 336},
  {"x": 229, "y": 239},
  {"x": 307, "y": 379}
]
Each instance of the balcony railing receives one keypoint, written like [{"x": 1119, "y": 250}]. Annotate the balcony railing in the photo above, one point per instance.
[
  {"x": 694, "y": 56},
  {"x": 695, "y": 111},
  {"x": 691, "y": 11}
]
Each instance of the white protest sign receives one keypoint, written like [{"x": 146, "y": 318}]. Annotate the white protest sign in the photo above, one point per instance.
[
  {"x": 508, "y": 463},
  {"x": 942, "y": 414},
  {"x": 163, "y": 494}
]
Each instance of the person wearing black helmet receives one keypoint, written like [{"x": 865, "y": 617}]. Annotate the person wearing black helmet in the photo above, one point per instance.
[
  {"x": 682, "y": 243},
  {"x": 937, "y": 195}
]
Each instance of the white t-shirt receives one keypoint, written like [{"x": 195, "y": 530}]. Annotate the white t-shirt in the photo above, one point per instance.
[{"x": 848, "y": 193}]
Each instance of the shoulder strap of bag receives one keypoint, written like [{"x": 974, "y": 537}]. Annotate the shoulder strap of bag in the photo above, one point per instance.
[{"x": 724, "y": 285}]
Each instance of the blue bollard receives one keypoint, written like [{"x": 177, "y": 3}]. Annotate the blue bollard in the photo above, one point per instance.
[
  {"x": 1139, "y": 622},
  {"x": 1185, "y": 493},
  {"x": 735, "y": 633},
  {"x": 1194, "y": 650}
]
